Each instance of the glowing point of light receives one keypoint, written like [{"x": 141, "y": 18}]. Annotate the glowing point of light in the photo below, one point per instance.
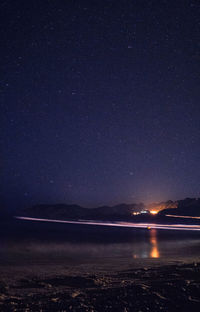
[{"x": 153, "y": 212}]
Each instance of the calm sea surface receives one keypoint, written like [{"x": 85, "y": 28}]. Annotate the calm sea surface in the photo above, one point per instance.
[{"x": 29, "y": 245}]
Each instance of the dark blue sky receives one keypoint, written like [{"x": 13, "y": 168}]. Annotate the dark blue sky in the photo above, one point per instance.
[{"x": 100, "y": 101}]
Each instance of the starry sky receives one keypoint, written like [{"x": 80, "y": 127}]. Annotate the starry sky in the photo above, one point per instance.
[{"x": 100, "y": 101}]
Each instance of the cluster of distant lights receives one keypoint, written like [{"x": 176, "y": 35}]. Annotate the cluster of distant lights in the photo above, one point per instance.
[{"x": 153, "y": 212}]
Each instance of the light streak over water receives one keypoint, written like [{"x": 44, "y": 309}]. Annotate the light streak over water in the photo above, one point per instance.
[
  {"x": 184, "y": 217},
  {"x": 182, "y": 227}
]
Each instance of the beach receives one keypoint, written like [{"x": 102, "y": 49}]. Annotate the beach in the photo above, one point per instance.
[{"x": 162, "y": 288}]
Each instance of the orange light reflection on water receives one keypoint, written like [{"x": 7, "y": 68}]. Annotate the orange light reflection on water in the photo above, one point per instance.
[{"x": 154, "y": 253}]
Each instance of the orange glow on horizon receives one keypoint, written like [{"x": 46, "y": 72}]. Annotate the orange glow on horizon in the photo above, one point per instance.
[{"x": 154, "y": 212}]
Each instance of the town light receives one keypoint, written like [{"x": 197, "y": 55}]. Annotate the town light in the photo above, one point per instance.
[{"x": 154, "y": 212}]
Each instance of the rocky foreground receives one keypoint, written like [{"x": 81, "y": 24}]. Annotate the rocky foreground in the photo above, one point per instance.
[{"x": 167, "y": 288}]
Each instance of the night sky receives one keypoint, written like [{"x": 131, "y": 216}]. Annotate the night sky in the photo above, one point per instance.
[{"x": 100, "y": 101}]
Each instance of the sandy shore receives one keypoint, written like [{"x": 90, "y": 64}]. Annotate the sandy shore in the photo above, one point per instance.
[{"x": 165, "y": 288}]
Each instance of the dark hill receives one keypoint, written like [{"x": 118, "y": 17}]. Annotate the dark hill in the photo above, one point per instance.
[
  {"x": 185, "y": 207},
  {"x": 63, "y": 211}
]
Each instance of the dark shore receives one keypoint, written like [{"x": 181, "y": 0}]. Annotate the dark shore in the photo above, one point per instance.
[{"x": 164, "y": 288}]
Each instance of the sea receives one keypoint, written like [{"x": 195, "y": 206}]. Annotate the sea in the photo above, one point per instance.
[{"x": 45, "y": 248}]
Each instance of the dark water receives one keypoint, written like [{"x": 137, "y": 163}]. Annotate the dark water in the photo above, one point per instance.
[{"x": 27, "y": 244}]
